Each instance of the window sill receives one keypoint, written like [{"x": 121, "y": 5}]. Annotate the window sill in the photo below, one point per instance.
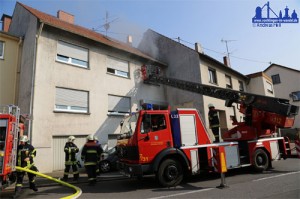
[
  {"x": 71, "y": 112},
  {"x": 117, "y": 114},
  {"x": 117, "y": 75},
  {"x": 77, "y": 66}
]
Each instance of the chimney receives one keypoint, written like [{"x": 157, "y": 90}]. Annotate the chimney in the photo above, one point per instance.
[
  {"x": 129, "y": 40},
  {"x": 6, "y": 20},
  {"x": 198, "y": 48},
  {"x": 62, "y": 15},
  {"x": 226, "y": 61}
]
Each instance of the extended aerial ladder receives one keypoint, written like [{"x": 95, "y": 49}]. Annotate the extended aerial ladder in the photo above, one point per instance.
[{"x": 263, "y": 114}]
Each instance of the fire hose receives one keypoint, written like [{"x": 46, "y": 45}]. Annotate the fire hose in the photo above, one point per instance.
[{"x": 73, "y": 196}]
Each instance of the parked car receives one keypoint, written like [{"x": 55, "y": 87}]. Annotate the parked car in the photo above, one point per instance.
[{"x": 109, "y": 160}]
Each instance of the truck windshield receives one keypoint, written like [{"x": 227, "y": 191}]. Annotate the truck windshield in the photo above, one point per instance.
[{"x": 129, "y": 124}]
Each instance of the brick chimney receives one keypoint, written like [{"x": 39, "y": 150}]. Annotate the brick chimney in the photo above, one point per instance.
[
  {"x": 226, "y": 61},
  {"x": 62, "y": 15},
  {"x": 6, "y": 20}
]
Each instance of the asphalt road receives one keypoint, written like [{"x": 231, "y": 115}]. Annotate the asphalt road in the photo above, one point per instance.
[{"x": 283, "y": 181}]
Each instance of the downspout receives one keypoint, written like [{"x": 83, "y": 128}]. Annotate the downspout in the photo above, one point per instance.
[{"x": 33, "y": 80}]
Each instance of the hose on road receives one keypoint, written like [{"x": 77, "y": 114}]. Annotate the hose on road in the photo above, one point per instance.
[{"x": 73, "y": 196}]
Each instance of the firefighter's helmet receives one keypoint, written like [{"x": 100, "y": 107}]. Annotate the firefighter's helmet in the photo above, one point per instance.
[
  {"x": 71, "y": 138},
  {"x": 96, "y": 138},
  {"x": 90, "y": 138},
  {"x": 210, "y": 106},
  {"x": 24, "y": 138}
]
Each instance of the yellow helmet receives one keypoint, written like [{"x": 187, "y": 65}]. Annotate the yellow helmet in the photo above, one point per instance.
[
  {"x": 24, "y": 138},
  {"x": 71, "y": 138},
  {"x": 90, "y": 138}
]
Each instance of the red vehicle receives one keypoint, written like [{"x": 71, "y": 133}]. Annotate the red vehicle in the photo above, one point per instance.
[
  {"x": 9, "y": 130},
  {"x": 173, "y": 144}
]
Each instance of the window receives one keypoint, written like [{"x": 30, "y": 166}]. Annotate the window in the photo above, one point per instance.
[
  {"x": 69, "y": 100},
  {"x": 152, "y": 123},
  {"x": 118, "y": 105},
  {"x": 295, "y": 96},
  {"x": 117, "y": 67},
  {"x": 269, "y": 87},
  {"x": 212, "y": 76},
  {"x": 276, "y": 79},
  {"x": 241, "y": 86},
  {"x": 1, "y": 50},
  {"x": 228, "y": 82},
  {"x": 72, "y": 54}
]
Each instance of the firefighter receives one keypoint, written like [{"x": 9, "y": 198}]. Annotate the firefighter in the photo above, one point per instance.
[
  {"x": 98, "y": 163},
  {"x": 90, "y": 155},
  {"x": 25, "y": 154},
  {"x": 70, "y": 159},
  {"x": 214, "y": 123}
]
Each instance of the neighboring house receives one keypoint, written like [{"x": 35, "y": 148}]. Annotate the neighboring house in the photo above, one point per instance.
[
  {"x": 9, "y": 67},
  {"x": 261, "y": 84},
  {"x": 193, "y": 65},
  {"x": 286, "y": 83},
  {"x": 74, "y": 81}
]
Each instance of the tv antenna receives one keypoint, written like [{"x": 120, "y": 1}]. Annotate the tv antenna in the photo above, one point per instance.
[
  {"x": 107, "y": 23},
  {"x": 226, "y": 42}
]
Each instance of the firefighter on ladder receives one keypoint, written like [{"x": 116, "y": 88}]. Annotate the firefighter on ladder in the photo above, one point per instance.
[
  {"x": 70, "y": 159},
  {"x": 214, "y": 122},
  {"x": 25, "y": 154},
  {"x": 90, "y": 155}
]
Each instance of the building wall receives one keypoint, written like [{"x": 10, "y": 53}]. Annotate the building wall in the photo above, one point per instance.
[
  {"x": 24, "y": 25},
  {"x": 183, "y": 63},
  {"x": 51, "y": 74},
  {"x": 259, "y": 85},
  {"x": 226, "y": 112},
  {"x": 8, "y": 69},
  {"x": 290, "y": 82}
]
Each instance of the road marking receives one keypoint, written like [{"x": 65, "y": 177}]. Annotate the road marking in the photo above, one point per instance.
[
  {"x": 276, "y": 176},
  {"x": 180, "y": 194}
]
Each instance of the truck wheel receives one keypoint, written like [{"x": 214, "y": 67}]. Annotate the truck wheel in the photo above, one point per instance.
[
  {"x": 169, "y": 173},
  {"x": 260, "y": 160}
]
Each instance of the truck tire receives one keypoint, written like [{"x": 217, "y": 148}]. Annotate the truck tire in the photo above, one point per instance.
[
  {"x": 260, "y": 160},
  {"x": 169, "y": 173}
]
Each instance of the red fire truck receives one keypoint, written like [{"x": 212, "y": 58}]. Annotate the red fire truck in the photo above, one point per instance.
[
  {"x": 9, "y": 130},
  {"x": 173, "y": 144}
]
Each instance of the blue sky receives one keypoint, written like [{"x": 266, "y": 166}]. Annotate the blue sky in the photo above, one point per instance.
[{"x": 205, "y": 21}]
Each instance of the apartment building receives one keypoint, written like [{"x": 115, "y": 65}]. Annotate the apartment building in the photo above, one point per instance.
[
  {"x": 9, "y": 66},
  {"x": 286, "y": 83},
  {"x": 74, "y": 81},
  {"x": 193, "y": 65}
]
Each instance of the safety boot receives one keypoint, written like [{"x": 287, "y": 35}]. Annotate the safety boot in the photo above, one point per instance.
[
  {"x": 33, "y": 187},
  {"x": 65, "y": 178}
]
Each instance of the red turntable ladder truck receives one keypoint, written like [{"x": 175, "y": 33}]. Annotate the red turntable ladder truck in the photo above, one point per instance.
[
  {"x": 173, "y": 144},
  {"x": 9, "y": 130}
]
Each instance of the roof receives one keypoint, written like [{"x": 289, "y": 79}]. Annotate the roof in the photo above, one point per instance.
[
  {"x": 84, "y": 32},
  {"x": 280, "y": 66},
  {"x": 259, "y": 74}
]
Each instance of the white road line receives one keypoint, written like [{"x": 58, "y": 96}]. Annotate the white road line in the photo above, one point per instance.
[
  {"x": 276, "y": 176},
  {"x": 180, "y": 194}
]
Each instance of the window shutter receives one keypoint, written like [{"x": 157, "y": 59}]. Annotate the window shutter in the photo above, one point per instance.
[
  {"x": 70, "y": 97},
  {"x": 118, "y": 104},
  {"x": 117, "y": 64},
  {"x": 72, "y": 51}
]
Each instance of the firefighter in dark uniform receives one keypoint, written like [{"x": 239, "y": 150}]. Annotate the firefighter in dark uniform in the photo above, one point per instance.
[
  {"x": 25, "y": 154},
  {"x": 70, "y": 159},
  {"x": 90, "y": 154},
  {"x": 98, "y": 163},
  {"x": 214, "y": 123}
]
